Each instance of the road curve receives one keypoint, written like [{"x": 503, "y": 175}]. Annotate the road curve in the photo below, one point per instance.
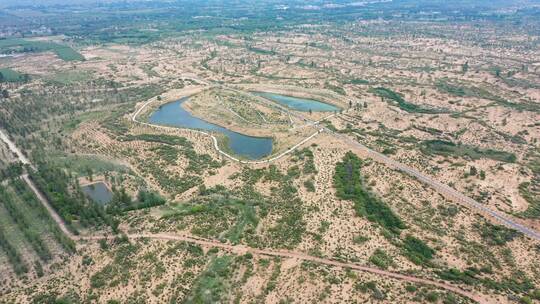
[
  {"x": 244, "y": 249},
  {"x": 215, "y": 141},
  {"x": 442, "y": 188},
  {"x": 241, "y": 249}
]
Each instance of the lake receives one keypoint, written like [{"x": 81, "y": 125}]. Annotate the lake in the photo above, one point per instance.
[
  {"x": 299, "y": 104},
  {"x": 98, "y": 192},
  {"x": 173, "y": 114}
]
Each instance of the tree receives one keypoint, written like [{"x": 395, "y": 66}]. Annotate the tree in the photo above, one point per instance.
[
  {"x": 2, "y": 78},
  {"x": 90, "y": 173},
  {"x": 497, "y": 72},
  {"x": 465, "y": 67},
  {"x": 5, "y": 93},
  {"x": 473, "y": 171}
]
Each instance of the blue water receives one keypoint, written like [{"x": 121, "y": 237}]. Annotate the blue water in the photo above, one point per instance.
[
  {"x": 299, "y": 104},
  {"x": 173, "y": 114},
  {"x": 98, "y": 192}
]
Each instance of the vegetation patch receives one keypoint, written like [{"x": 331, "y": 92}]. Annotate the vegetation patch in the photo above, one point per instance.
[
  {"x": 11, "y": 46},
  {"x": 218, "y": 213},
  {"x": 469, "y": 91},
  {"x": 447, "y": 148},
  {"x": 517, "y": 282},
  {"x": 497, "y": 235},
  {"x": 24, "y": 224},
  {"x": 212, "y": 285},
  {"x": 69, "y": 200},
  {"x": 381, "y": 259},
  {"x": 530, "y": 190},
  {"x": 9, "y": 75},
  {"x": 69, "y": 77},
  {"x": 417, "y": 250},
  {"x": 64, "y": 52},
  {"x": 14, "y": 256},
  {"x": 387, "y": 94},
  {"x": 348, "y": 184}
]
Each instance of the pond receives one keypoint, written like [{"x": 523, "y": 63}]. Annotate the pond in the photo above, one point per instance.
[
  {"x": 173, "y": 114},
  {"x": 299, "y": 104},
  {"x": 98, "y": 192}
]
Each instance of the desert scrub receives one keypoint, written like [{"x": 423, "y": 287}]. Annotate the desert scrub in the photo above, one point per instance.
[
  {"x": 381, "y": 259},
  {"x": 495, "y": 235},
  {"x": 387, "y": 94},
  {"x": 417, "y": 250},
  {"x": 348, "y": 184},
  {"x": 213, "y": 285},
  {"x": 119, "y": 270},
  {"x": 447, "y": 148}
]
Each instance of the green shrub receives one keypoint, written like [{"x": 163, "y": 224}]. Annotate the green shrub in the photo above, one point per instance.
[
  {"x": 403, "y": 104},
  {"x": 348, "y": 184},
  {"x": 417, "y": 251},
  {"x": 381, "y": 259}
]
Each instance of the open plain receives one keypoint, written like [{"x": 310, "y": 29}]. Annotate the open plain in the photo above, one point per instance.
[{"x": 381, "y": 152}]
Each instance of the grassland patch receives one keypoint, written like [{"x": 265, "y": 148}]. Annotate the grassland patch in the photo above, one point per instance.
[
  {"x": 348, "y": 184},
  {"x": 447, "y": 148},
  {"x": 17, "y": 45},
  {"x": 389, "y": 95},
  {"x": 9, "y": 75}
]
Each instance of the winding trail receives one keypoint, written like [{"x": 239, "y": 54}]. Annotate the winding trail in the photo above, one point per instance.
[
  {"x": 242, "y": 249},
  {"x": 215, "y": 141},
  {"x": 443, "y": 189},
  {"x": 440, "y": 187}
]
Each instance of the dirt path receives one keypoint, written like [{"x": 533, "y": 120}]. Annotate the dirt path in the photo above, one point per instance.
[
  {"x": 48, "y": 206},
  {"x": 215, "y": 141},
  {"x": 11, "y": 145},
  {"x": 241, "y": 249}
]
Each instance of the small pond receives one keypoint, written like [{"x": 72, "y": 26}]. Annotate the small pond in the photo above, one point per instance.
[
  {"x": 98, "y": 192},
  {"x": 173, "y": 114},
  {"x": 299, "y": 104}
]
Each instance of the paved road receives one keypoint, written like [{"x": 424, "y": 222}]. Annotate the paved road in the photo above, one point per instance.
[{"x": 449, "y": 192}]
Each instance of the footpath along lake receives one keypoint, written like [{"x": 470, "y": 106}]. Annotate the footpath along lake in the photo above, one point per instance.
[
  {"x": 299, "y": 104},
  {"x": 173, "y": 114}
]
